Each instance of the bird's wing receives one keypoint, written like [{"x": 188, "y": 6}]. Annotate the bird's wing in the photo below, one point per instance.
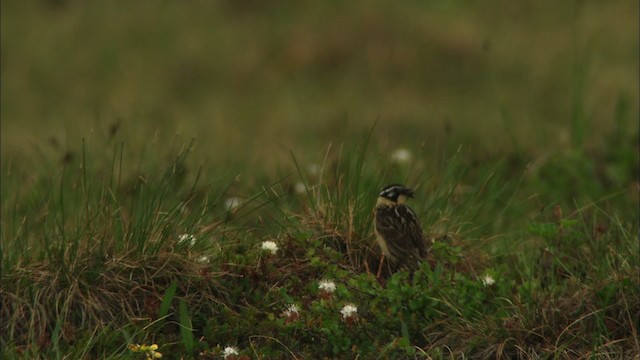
[
  {"x": 414, "y": 231},
  {"x": 400, "y": 226}
]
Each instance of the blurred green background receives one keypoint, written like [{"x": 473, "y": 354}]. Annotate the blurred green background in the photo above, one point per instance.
[{"x": 254, "y": 80}]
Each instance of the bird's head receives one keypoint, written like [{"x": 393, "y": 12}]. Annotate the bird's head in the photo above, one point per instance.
[{"x": 395, "y": 193}]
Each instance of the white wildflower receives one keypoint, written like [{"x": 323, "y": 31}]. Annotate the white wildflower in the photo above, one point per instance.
[
  {"x": 270, "y": 246},
  {"x": 401, "y": 156},
  {"x": 204, "y": 259},
  {"x": 487, "y": 280},
  {"x": 313, "y": 169},
  {"x": 291, "y": 314},
  {"x": 348, "y": 311},
  {"x": 228, "y": 351},
  {"x": 291, "y": 311},
  {"x": 300, "y": 188},
  {"x": 232, "y": 203},
  {"x": 327, "y": 286},
  {"x": 187, "y": 238}
]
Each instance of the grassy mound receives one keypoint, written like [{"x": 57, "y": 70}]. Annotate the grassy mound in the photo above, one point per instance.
[{"x": 94, "y": 264}]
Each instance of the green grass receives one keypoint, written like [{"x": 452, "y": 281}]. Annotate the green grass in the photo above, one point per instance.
[
  {"x": 106, "y": 268},
  {"x": 148, "y": 152}
]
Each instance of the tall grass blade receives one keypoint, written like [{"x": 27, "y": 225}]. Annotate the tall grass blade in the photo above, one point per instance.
[
  {"x": 167, "y": 299},
  {"x": 186, "y": 331}
]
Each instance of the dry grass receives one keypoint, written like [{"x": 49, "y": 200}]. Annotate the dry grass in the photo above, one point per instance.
[{"x": 100, "y": 294}]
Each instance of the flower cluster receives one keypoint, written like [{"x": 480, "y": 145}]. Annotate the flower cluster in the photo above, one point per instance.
[
  {"x": 229, "y": 351},
  {"x": 187, "y": 238},
  {"x": 326, "y": 288},
  {"x": 487, "y": 280},
  {"x": 291, "y": 314},
  {"x": 314, "y": 169},
  {"x": 300, "y": 188},
  {"x": 232, "y": 203},
  {"x": 149, "y": 350},
  {"x": 349, "y": 313},
  {"x": 401, "y": 156},
  {"x": 270, "y": 246}
]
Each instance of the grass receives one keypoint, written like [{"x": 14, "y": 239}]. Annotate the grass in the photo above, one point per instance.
[
  {"x": 119, "y": 230},
  {"x": 106, "y": 267}
]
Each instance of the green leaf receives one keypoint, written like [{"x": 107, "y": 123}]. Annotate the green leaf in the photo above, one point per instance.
[
  {"x": 166, "y": 300},
  {"x": 186, "y": 330},
  {"x": 55, "y": 336},
  {"x": 405, "y": 332}
]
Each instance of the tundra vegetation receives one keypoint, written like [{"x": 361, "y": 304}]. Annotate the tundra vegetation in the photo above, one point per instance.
[{"x": 196, "y": 180}]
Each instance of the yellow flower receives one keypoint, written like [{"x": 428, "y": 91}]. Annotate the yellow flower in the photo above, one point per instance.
[{"x": 149, "y": 350}]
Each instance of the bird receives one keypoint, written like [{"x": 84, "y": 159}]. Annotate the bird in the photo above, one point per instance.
[{"x": 397, "y": 228}]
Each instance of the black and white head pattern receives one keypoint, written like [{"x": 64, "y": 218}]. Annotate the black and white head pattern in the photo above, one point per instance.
[{"x": 393, "y": 191}]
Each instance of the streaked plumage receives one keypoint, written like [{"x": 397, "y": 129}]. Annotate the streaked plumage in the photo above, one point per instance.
[{"x": 397, "y": 228}]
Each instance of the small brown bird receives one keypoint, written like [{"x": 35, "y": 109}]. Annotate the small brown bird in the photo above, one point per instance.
[{"x": 397, "y": 228}]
